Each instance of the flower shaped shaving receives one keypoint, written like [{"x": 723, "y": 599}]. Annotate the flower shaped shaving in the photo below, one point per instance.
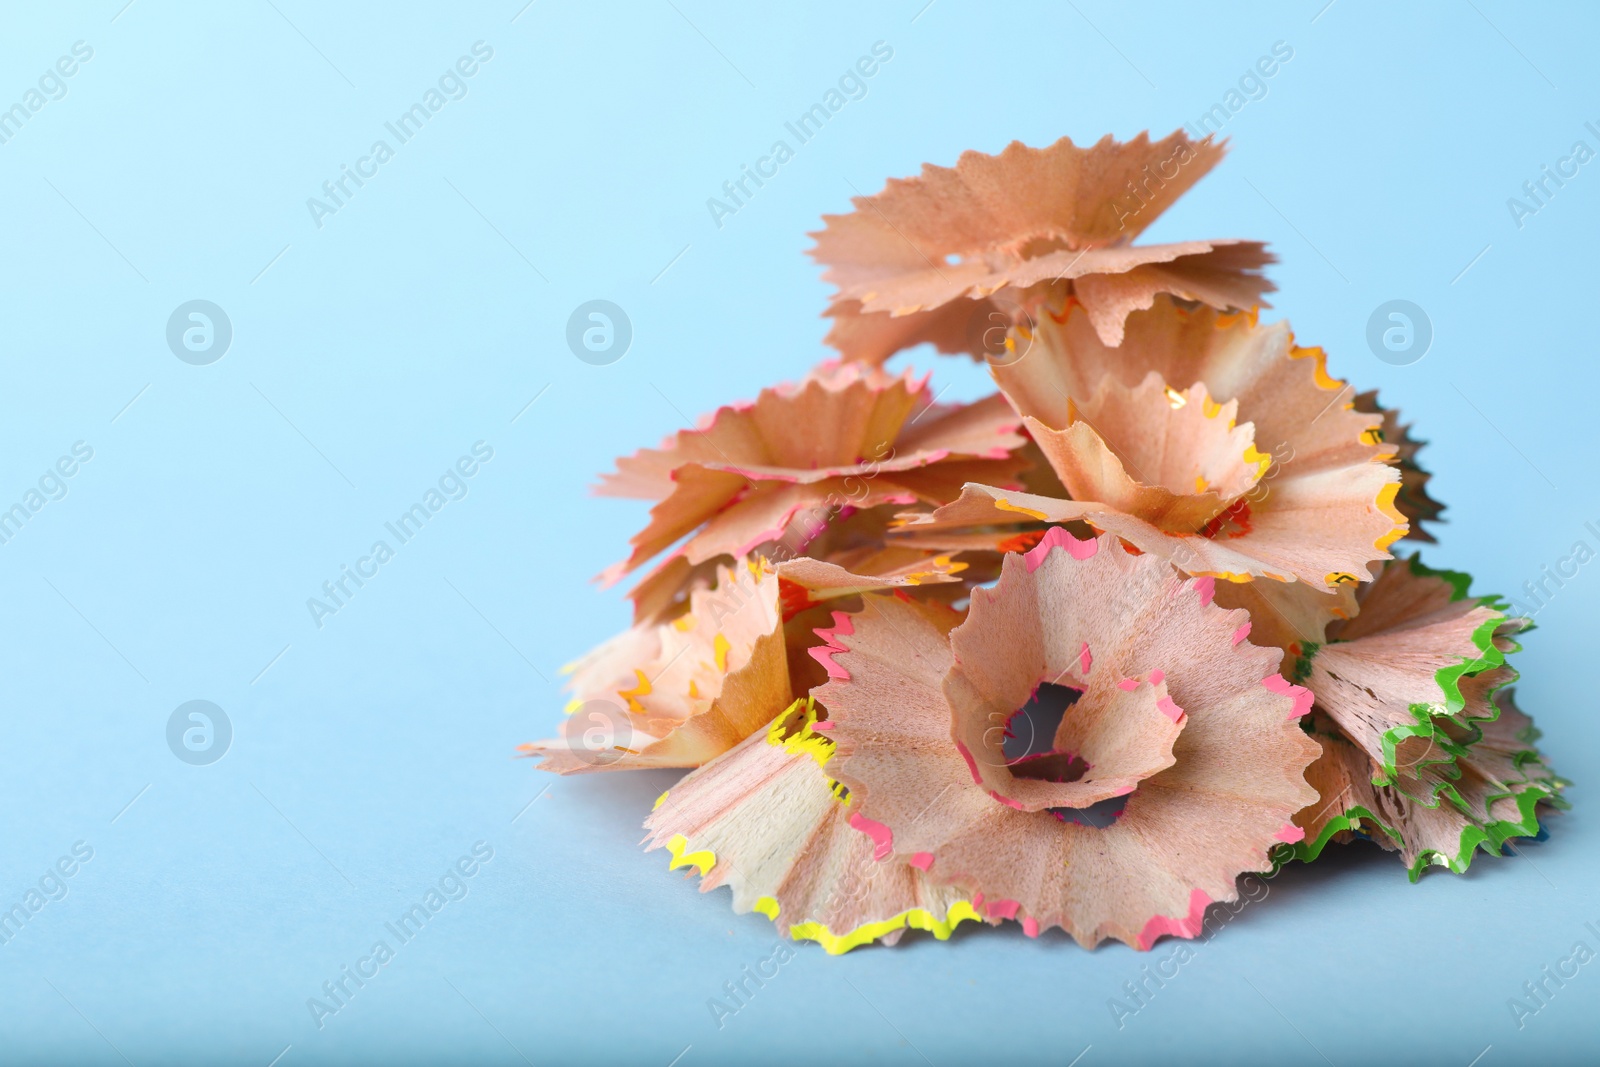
[
  {"x": 958, "y": 253},
  {"x": 675, "y": 694},
  {"x": 1300, "y": 492},
  {"x": 844, "y": 433},
  {"x": 679, "y": 691},
  {"x": 1187, "y": 717},
  {"x": 765, "y": 820}
]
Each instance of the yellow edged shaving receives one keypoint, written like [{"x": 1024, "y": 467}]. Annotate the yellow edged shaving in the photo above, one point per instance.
[
  {"x": 1324, "y": 379},
  {"x": 1175, "y": 398},
  {"x": 573, "y": 705},
  {"x": 1004, "y": 506},
  {"x": 701, "y": 861},
  {"x": 719, "y": 648},
  {"x": 804, "y": 741},
  {"x": 1251, "y": 315},
  {"x": 640, "y": 690},
  {"x": 1260, "y": 459},
  {"x": 943, "y": 567},
  {"x": 915, "y": 919},
  {"x": 1386, "y": 505},
  {"x": 660, "y": 800},
  {"x": 1227, "y": 576}
]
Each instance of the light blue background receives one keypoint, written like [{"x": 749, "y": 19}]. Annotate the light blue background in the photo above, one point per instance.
[{"x": 431, "y": 309}]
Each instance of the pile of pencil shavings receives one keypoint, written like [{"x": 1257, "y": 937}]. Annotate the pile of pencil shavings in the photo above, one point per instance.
[{"x": 1078, "y": 654}]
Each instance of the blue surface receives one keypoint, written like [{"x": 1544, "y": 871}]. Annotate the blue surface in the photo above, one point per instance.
[{"x": 422, "y": 316}]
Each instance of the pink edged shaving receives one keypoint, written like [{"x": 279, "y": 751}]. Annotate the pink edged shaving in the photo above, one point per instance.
[
  {"x": 1185, "y": 926},
  {"x": 1001, "y": 238},
  {"x": 1175, "y": 720},
  {"x": 1002, "y": 909},
  {"x": 841, "y": 436},
  {"x": 1302, "y": 697},
  {"x": 1058, "y": 537},
  {"x": 825, "y": 652},
  {"x": 882, "y": 837}
]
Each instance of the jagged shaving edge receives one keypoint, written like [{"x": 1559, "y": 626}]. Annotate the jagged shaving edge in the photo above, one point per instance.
[
  {"x": 1528, "y": 793},
  {"x": 1491, "y": 837},
  {"x": 798, "y": 738},
  {"x": 1449, "y": 681}
]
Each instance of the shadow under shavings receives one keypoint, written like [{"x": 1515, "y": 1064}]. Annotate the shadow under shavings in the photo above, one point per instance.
[{"x": 614, "y": 807}]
